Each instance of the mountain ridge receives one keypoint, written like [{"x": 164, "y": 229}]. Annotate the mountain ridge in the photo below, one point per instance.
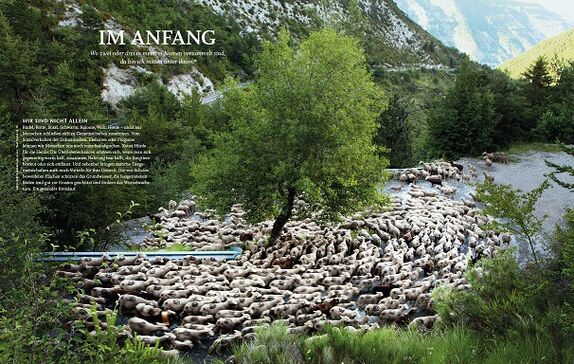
[
  {"x": 489, "y": 31},
  {"x": 392, "y": 40},
  {"x": 559, "y": 46}
]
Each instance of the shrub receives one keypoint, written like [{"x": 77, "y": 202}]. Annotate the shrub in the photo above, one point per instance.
[
  {"x": 564, "y": 245},
  {"x": 513, "y": 211},
  {"x": 273, "y": 345},
  {"x": 555, "y": 126},
  {"x": 498, "y": 295},
  {"x": 34, "y": 319}
]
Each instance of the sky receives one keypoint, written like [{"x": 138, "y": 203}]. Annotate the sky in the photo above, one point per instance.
[{"x": 563, "y": 7}]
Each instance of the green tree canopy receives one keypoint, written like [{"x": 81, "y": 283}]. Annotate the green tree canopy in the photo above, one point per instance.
[
  {"x": 513, "y": 211},
  {"x": 538, "y": 85},
  {"x": 464, "y": 122},
  {"x": 304, "y": 128},
  {"x": 394, "y": 133}
]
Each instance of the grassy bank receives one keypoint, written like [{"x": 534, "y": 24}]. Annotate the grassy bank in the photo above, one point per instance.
[
  {"x": 533, "y": 147},
  {"x": 396, "y": 345},
  {"x": 511, "y": 314}
]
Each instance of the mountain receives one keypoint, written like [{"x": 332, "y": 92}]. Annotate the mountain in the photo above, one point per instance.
[
  {"x": 489, "y": 31},
  {"x": 561, "y": 46},
  {"x": 392, "y": 41},
  {"x": 392, "y": 38}
]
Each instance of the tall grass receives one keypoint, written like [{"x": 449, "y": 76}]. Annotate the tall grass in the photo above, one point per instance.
[
  {"x": 521, "y": 148},
  {"x": 272, "y": 345},
  {"x": 336, "y": 345},
  {"x": 400, "y": 346},
  {"x": 392, "y": 345}
]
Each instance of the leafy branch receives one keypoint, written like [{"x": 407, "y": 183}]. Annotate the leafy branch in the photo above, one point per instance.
[
  {"x": 559, "y": 169},
  {"x": 513, "y": 211}
]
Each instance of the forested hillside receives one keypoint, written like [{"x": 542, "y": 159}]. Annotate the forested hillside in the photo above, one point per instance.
[
  {"x": 558, "y": 48},
  {"x": 47, "y": 71},
  {"x": 393, "y": 40},
  {"x": 289, "y": 163}
]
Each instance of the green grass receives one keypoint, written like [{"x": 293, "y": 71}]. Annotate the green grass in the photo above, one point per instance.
[
  {"x": 177, "y": 248},
  {"x": 560, "y": 46},
  {"x": 393, "y": 345},
  {"x": 536, "y": 147}
]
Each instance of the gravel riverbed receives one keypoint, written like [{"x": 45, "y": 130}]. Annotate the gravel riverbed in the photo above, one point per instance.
[{"x": 526, "y": 172}]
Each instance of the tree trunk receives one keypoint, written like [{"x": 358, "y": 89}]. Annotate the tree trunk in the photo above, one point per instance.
[
  {"x": 284, "y": 216},
  {"x": 531, "y": 242}
]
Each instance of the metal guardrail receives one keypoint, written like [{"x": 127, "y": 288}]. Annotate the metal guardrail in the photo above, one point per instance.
[{"x": 177, "y": 255}]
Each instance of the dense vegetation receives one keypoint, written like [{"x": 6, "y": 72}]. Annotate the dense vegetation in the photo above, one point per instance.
[
  {"x": 53, "y": 74},
  {"x": 434, "y": 116},
  {"x": 485, "y": 110},
  {"x": 512, "y": 314},
  {"x": 306, "y": 129},
  {"x": 46, "y": 70}
]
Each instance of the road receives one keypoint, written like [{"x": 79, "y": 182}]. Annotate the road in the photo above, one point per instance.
[{"x": 216, "y": 95}]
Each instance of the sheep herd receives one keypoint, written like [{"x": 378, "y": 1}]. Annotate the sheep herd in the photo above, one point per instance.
[{"x": 372, "y": 268}]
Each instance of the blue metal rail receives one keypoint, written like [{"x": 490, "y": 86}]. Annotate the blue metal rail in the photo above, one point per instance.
[{"x": 76, "y": 256}]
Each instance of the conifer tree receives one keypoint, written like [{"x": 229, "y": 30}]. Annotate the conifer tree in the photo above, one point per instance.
[{"x": 464, "y": 122}]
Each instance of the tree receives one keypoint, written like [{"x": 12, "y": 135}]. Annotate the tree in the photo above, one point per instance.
[
  {"x": 538, "y": 85},
  {"x": 67, "y": 99},
  {"x": 19, "y": 73},
  {"x": 394, "y": 133},
  {"x": 538, "y": 76},
  {"x": 514, "y": 211},
  {"x": 556, "y": 119},
  {"x": 155, "y": 110},
  {"x": 305, "y": 128},
  {"x": 515, "y": 121},
  {"x": 355, "y": 24},
  {"x": 564, "y": 81},
  {"x": 564, "y": 244},
  {"x": 556, "y": 124},
  {"x": 90, "y": 18},
  {"x": 465, "y": 120}
]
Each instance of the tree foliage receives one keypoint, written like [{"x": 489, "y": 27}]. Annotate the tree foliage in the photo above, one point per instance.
[
  {"x": 562, "y": 169},
  {"x": 539, "y": 81},
  {"x": 464, "y": 122},
  {"x": 394, "y": 133},
  {"x": 513, "y": 210},
  {"x": 564, "y": 245},
  {"x": 304, "y": 129}
]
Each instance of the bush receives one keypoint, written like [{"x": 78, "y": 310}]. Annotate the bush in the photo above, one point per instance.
[
  {"x": 564, "y": 246},
  {"x": 35, "y": 321},
  {"x": 499, "y": 295},
  {"x": 554, "y": 126}
]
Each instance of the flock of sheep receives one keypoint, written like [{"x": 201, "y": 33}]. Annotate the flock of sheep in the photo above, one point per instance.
[{"x": 373, "y": 268}]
